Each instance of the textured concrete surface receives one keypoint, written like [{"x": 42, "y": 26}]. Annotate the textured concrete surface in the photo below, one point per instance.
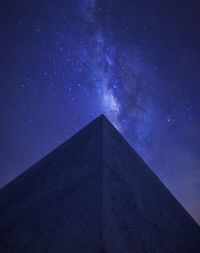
[{"x": 93, "y": 194}]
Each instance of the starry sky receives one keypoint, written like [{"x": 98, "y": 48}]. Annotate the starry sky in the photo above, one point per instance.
[{"x": 62, "y": 63}]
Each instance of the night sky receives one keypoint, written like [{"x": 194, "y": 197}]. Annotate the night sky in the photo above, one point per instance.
[{"x": 62, "y": 63}]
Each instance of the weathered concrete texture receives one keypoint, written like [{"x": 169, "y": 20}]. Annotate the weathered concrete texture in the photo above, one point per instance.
[{"x": 93, "y": 194}]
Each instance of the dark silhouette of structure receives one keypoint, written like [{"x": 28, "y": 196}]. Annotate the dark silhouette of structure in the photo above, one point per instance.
[{"x": 93, "y": 194}]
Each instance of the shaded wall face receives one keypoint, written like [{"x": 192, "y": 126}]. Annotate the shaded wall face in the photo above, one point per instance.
[{"x": 56, "y": 205}]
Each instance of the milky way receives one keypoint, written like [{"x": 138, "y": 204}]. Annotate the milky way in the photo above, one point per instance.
[
  {"x": 116, "y": 73},
  {"x": 61, "y": 65}
]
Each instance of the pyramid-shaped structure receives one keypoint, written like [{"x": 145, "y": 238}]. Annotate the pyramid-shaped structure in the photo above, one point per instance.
[{"x": 93, "y": 194}]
